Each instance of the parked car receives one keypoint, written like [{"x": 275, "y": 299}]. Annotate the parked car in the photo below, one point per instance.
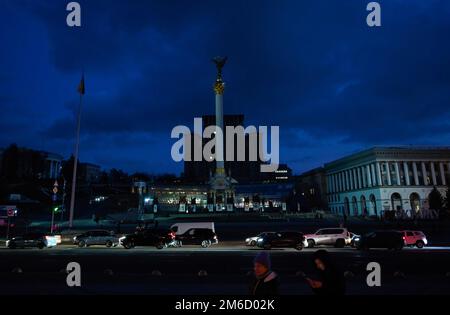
[
  {"x": 159, "y": 239},
  {"x": 414, "y": 238},
  {"x": 281, "y": 240},
  {"x": 251, "y": 241},
  {"x": 338, "y": 237},
  {"x": 198, "y": 236},
  {"x": 182, "y": 228},
  {"x": 35, "y": 239},
  {"x": 380, "y": 239},
  {"x": 97, "y": 237}
]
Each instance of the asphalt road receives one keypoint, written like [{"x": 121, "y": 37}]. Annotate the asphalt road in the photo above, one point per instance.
[
  {"x": 144, "y": 270},
  {"x": 228, "y": 265}
]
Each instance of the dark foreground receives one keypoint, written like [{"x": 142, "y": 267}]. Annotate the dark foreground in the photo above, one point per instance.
[{"x": 176, "y": 271}]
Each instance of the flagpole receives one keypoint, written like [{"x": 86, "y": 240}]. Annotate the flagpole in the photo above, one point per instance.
[{"x": 75, "y": 164}]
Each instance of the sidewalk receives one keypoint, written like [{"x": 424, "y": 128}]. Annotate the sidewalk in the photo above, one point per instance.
[{"x": 209, "y": 285}]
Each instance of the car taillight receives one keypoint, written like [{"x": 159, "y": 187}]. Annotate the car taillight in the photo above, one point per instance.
[{"x": 404, "y": 238}]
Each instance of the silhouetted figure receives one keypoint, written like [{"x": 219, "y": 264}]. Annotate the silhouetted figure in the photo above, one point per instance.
[
  {"x": 330, "y": 280},
  {"x": 96, "y": 218}
]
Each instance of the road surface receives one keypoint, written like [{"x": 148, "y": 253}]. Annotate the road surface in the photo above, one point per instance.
[{"x": 226, "y": 269}]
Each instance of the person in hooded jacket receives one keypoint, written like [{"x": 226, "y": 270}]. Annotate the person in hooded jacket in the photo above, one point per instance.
[
  {"x": 330, "y": 280},
  {"x": 266, "y": 281}
]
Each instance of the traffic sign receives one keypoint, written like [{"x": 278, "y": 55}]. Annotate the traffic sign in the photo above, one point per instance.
[{"x": 8, "y": 211}]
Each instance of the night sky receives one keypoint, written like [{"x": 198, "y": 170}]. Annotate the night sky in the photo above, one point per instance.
[{"x": 332, "y": 84}]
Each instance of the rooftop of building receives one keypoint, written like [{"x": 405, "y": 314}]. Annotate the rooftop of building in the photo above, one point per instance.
[
  {"x": 313, "y": 172},
  {"x": 398, "y": 151},
  {"x": 51, "y": 155},
  {"x": 90, "y": 165}
]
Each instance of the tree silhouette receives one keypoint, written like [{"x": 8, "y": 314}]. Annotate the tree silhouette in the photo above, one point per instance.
[
  {"x": 435, "y": 199},
  {"x": 67, "y": 169},
  {"x": 10, "y": 163}
]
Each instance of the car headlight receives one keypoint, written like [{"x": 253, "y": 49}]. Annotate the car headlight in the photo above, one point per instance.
[
  {"x": 260, "y": 239},
  {"x": 247, "y": 240},
  {"x": 122, "y": 238}
]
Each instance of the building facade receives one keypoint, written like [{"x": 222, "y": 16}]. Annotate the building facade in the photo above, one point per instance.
[
  {"x": 312, "y": 186},
  {"x": 386, "y": 178},
  {"x": 21, "y": 163},
  {"x": 263, "y": 197},
  {"x": 53, "y": 164},
  {"x": 89, "y": 173},
  {"x": 242, "y": 171},
  {"x": 185, "y": 198},
  {"x": 281, "y": 175}
]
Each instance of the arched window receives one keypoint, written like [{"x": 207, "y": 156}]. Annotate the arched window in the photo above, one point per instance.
[
  {"x": 414, "y": 199},
  {"x": 396, "y": 201}
]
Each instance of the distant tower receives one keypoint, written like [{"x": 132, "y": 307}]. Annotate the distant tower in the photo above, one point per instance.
[
  {"x": 221, "y": 186},
  {"x": 219, "y": 89}
]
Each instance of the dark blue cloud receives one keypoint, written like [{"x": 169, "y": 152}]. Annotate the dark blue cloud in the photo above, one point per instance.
[{"x": 314, "y": 68}]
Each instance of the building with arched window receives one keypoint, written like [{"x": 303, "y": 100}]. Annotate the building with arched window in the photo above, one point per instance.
[{"x": 386, "y": 178}]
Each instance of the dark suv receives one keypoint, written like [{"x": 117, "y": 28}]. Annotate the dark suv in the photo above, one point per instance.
[
  {"x": 98, "y": 237},
  {"x": 203, "y": 237},
  {"x": 380, "y": 239},
  {"x": 34, "y": 239},
  {"x": 156, "y": 238},
  {"x": 281, "y": 240}
]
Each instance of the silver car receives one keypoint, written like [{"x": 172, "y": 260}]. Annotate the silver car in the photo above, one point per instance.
[
  {"x": 98, "y": 237},
  {"x": 251, "y": 241}
]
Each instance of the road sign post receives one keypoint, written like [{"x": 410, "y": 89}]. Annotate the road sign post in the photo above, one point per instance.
[
  {"x": 7, "y": 228},
  {"x": 53, "y": 220},
  {"x": 63, "y": 202},
  {"x": 10, "y": 212}
]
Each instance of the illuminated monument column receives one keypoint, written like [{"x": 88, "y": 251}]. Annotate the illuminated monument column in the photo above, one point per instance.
[
  {"x": 221, "y": 187},
  {"x": 219, "y": 88}
]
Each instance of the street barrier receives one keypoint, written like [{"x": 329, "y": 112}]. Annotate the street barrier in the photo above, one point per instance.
[
  {"x": 17, "y": 270},
  {"x": 202, "y": 273},
  {"x": 399, "y": 274}
]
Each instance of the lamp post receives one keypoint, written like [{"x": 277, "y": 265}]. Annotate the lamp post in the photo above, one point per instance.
[
  {"x": 63, "y": 209},
  {"x": 54, "y": 199}
]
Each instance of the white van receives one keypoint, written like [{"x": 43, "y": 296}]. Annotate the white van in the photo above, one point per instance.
[{"x": 181, "y": 228}]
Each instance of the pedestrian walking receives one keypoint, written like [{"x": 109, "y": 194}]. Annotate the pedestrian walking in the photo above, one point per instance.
[{"x": 266, "y": 281}]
